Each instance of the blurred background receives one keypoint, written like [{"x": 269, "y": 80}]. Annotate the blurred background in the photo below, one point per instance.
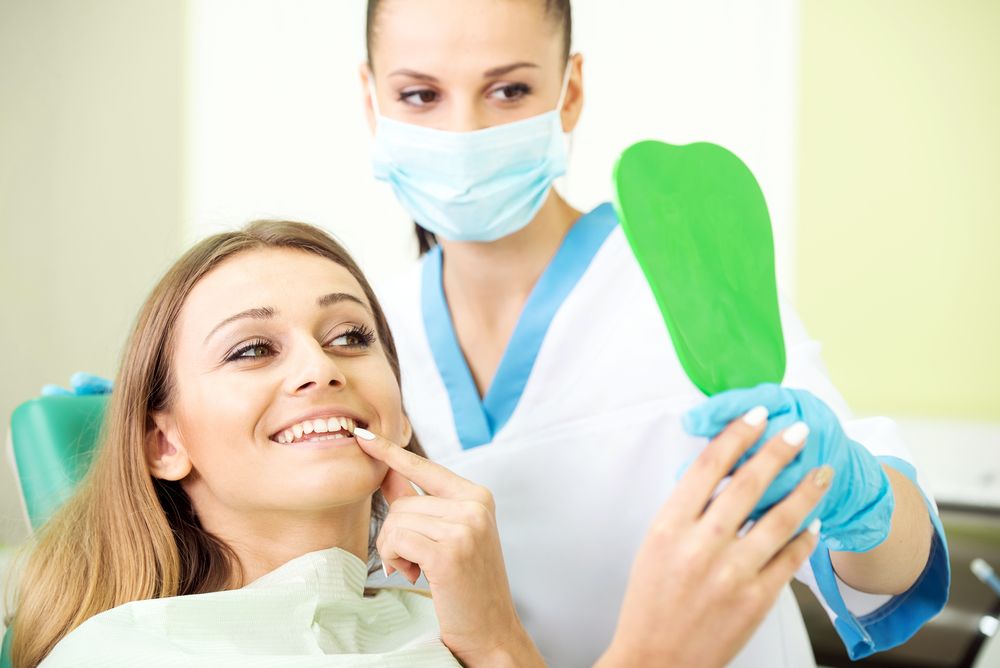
[{"x": 130, "y": 128}]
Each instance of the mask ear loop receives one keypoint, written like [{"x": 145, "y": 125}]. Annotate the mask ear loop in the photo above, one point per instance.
[
  {"x": 565, "y": 84},
  {"x": 561, "y": 184},
  {"x": 373, "y": 95}
]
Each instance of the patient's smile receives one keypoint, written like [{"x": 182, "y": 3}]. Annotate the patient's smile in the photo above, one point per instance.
[{"x": 317, "y": 430}]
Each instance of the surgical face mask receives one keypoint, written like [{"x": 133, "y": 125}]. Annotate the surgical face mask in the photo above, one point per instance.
[{"x": 472, "y": 186}]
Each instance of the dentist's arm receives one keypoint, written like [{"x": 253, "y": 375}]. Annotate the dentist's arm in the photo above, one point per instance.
[{"x": 893, "y": 566}]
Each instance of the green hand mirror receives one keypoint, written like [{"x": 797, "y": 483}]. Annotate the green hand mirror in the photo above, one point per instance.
[{"x": 698, "y": 225}]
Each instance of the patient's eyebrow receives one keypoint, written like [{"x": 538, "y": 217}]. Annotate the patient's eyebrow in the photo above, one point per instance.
[
  {"x": 261, "y": 313},
  {"x": 337, "y": 297}
]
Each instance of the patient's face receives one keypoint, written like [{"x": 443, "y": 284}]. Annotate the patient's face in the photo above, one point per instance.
[{"x": 273, "y": 347}]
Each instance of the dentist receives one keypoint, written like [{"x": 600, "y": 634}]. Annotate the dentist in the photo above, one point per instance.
[{"x": 534, "y": 358}]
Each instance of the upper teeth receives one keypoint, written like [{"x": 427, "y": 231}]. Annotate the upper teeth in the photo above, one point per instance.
[{"x": 318, "y": 426}]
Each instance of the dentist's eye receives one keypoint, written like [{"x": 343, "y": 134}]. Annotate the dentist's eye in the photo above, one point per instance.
[
  {"x": 251, "y": 351},
  {"x": 510, "y": 92},
  {"x": 357, "y": 337},
  {"x": 418, "y": 97}
]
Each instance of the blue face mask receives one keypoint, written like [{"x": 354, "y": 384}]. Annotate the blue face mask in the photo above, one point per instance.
[{"x": 472, "y": 186}]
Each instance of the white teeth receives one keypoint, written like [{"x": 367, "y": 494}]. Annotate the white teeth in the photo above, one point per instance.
[{"x": 331, "y": 425}]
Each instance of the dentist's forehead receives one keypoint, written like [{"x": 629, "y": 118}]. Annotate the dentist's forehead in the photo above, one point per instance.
[{"x": 484, "y": 33}]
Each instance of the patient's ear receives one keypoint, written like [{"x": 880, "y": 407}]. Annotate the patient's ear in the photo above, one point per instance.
[
  {"x": 407, "y": 431},
  {"x": 165, "y": 453}
]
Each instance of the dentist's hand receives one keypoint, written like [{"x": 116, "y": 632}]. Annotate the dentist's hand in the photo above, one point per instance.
[
  {"x": 450, "y": 534},
  {"x": 857, "y": 512},
  {"x": 697, "y": 590}
]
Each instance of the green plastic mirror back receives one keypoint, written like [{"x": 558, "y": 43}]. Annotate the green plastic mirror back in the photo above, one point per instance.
[
  {"x": 54, "y": 440},
  {"x": 698, "y": 225}
]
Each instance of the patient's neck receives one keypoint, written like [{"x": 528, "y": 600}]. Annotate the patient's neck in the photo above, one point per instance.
[{"x": 266, "y": 540}]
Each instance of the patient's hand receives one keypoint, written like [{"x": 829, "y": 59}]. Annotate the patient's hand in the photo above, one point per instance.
[
  {"x": 450, "y": 533},
  {"x": 698, "y": 590}
]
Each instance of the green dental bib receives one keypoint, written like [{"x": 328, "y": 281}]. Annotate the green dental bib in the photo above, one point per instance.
[{"x": 698, "y": 225}]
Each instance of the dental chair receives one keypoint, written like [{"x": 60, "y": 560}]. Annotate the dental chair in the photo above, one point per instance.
[{"x": 49, "y": 448}]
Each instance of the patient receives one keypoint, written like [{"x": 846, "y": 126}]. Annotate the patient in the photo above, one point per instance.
[{"x": 232, "y": 514}]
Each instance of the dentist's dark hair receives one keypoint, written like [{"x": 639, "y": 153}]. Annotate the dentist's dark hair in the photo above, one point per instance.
[
  {"x": 556, "y": 10},
  {"x": 127, "y": 536}
]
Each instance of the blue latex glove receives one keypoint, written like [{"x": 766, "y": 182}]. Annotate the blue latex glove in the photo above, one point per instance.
[
  {"x": 857, "y": 510},
  {"x": 81, "y": 383}
]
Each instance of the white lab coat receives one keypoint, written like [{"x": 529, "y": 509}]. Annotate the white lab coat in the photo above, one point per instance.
[{"x": 594, "y": 444}]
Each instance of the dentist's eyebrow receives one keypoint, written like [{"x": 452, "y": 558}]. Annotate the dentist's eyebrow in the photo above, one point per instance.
[
  {"x": 337, "y": 297},
  {"x": 506, "y": 69},
  {"x": 262, "y": 313},
  {"x": 413, "y": 74}
]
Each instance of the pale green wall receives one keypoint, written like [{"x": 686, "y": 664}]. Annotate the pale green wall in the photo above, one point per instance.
[
  {"x": 898, "y": 250},
  {"x": 91, "y": 148}
]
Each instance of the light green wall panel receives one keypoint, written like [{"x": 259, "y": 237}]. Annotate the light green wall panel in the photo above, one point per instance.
[{"x": 898, "y": 240}]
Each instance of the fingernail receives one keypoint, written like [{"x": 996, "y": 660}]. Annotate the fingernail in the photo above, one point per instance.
[
  {"x": 385, "y": 571},
  {"x": 814, "y": 526},
  {"x": 364, "y": 434},
  {"x": 822, "y": 476},
  {"x": 796, "y": 434},
  {"x": 756, "y": 416}
]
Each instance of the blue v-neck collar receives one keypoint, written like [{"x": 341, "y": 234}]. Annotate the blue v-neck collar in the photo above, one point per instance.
[{"x": 478, "y": 420}]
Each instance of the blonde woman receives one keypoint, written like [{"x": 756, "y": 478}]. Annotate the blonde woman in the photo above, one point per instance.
[{"x": 234, "y": 509}]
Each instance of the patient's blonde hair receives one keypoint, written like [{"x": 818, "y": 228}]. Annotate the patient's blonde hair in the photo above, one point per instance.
[{"x": 125, "y": 536}]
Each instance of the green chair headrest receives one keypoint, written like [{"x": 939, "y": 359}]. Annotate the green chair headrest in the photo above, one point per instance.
[{"x": 53, "y": 441}]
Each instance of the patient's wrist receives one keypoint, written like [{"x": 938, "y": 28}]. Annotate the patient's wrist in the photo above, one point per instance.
[{"x": 517, "y": 650}]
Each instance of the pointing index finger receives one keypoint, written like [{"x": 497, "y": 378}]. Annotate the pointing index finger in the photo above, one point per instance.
[{"x": 431, "y": 477}]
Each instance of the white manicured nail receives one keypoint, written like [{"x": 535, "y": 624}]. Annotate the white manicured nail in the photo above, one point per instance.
[
  {"x": 796, "y": 434},
  {"x": 385, "y": 571},
  {"x": 814, "y": 526},
  {"x": 364, "y": 434},
  {"x": 756, "y": 416}
]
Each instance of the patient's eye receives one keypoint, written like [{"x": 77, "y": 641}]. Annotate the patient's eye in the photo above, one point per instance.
[
  {"x": 359, "y": 336},
  {"x": 252, "y": 350}
]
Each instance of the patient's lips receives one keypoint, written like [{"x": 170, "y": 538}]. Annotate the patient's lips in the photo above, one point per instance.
[{"x": 317, "y": 430}]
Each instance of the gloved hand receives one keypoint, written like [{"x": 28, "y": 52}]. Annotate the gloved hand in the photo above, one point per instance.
[
  {"x": 81, "y": 383},
  {"x": 857, "y": 511}
]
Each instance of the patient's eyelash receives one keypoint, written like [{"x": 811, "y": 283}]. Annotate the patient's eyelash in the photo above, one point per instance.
[
  {"x": 362, "y": 335},
  {"x": 256, "y": 345},
  {"x": 358, "y": 336}
]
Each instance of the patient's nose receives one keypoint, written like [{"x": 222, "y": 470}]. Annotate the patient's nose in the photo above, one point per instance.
[{"x": 315, "y": 369}]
